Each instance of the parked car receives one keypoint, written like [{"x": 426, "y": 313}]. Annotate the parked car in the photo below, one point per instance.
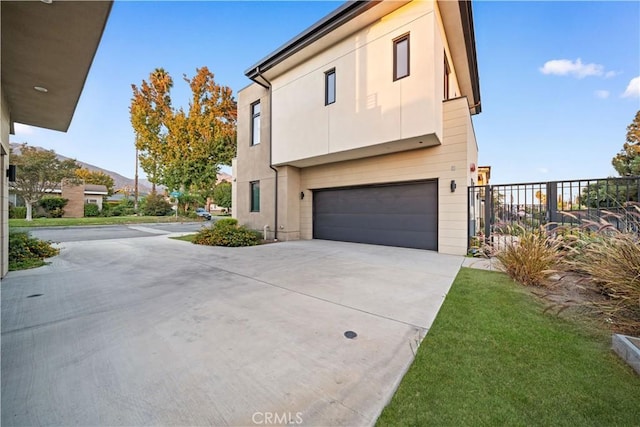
[{"x": 203, "y": 213}]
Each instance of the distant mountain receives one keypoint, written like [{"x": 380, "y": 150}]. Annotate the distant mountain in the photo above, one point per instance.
[
  {"x": 144, "y": 186},
  {"x": 119, "y": 181}
]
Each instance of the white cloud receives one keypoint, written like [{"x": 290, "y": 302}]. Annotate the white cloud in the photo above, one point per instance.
[
  {"x": 566, "y": 67},
  {"x": 602, "y": 94},
  {"x": 543, "y": 170},
  {"x": 610, "y": 74},
  {"x": 21, "y": 129},
  {"x": 633, "y": 89}
]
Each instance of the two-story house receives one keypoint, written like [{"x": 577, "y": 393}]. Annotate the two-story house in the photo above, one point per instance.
[{"x": 359, "y": 129}]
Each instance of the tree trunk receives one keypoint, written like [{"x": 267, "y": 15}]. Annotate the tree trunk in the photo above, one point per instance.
[{"x": 28, "y": 204}]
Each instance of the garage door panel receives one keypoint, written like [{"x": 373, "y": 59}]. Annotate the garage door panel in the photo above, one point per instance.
[
  {"x": 403, "y": 215},
  {"x": 411, "y": 222},
  {"x": 400, "y": 238}
]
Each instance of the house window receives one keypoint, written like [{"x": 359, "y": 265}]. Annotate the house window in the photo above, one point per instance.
[
  {"x": 330, "y": 87},
  {"x": 255, "y": 196},
  {"x": 401, "y": 57},
  {"x": 92, "y": 201},
  {"x": 255, "y": 123},
  {"x": 447, "y": 71}
]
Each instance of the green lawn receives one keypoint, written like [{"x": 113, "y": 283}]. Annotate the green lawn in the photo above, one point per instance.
[
  {"x": 62, "y": 222},
  {"x": 185, "y": 238},
  {"x": 26, "y": 264},
  {"x": 493, "y": 358}
]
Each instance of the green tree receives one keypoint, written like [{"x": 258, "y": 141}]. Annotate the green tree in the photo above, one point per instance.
[
  {"x": 627, "y": 161},
  {"x": 184, "y": 149},
  {"x": 150, "y": 113},
  {"x": 39, "y": 172},
  {"x": 222, "y": 195},
  {"x": 96, "y": 178}
]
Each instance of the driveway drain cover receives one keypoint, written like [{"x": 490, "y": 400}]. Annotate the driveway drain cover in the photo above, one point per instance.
[
  {"x": 350, "y": 334},
  {"x": 34, "y": 295}
]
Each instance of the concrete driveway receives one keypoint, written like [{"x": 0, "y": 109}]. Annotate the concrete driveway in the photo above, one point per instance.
[{"x": 158, "y": 331}]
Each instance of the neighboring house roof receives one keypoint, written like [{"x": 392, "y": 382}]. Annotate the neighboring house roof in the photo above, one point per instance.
[
  {"x": 95, "y": 189},
  {"x": 91, "y": 189},
  {"x": 457, "y": 20},
  {"x": 50, "y": 45}
]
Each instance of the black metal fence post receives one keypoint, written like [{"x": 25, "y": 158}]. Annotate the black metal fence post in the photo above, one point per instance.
[
  {"x": 552, "y": 201},
  {"x": 488, "y": 213}
]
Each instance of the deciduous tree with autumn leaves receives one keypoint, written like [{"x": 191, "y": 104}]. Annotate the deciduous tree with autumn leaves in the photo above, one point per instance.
[{"x": 180, "y": 149}]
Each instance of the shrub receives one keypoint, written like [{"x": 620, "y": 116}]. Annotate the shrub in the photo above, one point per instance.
[
  {"x": 91, "y": 209},
  {"x": 225, "y": 222},
  {"x": 106, "y": 210},
  {"x": 18, "y": 212},
  {"x": 530, "y": 258},
  {"x": 23, "y": 249},
  {"x": 53, "y": 206},
  {"x": 227, "y": 233},
  {"x": 611, "y": 261},
  {"x": 122, "y": 208},
  {"x": 155, "y": 205}
]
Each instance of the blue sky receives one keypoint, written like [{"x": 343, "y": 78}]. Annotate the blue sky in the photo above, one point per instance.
[{"x": 556, "y": 78}]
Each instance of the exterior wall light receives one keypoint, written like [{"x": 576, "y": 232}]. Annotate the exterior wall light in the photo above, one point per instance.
[
  {"x": 453, "y": 185},
  {"x": 301, "y": 195}
]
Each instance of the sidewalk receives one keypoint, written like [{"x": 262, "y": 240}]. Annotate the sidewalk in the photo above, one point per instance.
[{"x": 491, "y": 264}]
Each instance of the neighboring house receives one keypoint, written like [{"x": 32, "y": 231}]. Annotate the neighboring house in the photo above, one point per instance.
[
  {"x": 47, "y": 50},
  {"x": 359, "y": 129},
  {"x": 91, "y": 193},
  {"x": 484, "y": 175}
]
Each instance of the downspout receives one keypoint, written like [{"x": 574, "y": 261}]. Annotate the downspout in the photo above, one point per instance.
[{"x": 270, "y": 89}]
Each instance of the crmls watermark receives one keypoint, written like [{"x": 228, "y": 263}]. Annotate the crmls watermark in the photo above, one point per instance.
[{"x": 277, "y": 418}]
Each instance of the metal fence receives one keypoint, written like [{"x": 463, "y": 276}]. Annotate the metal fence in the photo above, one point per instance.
[{"x": 496, "y": 209}]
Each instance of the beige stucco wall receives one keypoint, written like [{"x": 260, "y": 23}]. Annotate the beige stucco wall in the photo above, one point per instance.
[
  {"x": 370, "y": 107},
  {"x": 4, "y": 186},
  {"x": 443, "y": 45},
  {"x": 96, "y": 197},
  {"x": 449, "y": 161},
  {"x": 255, "y": 163}
]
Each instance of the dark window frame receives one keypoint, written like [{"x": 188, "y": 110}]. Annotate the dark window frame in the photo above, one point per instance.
[
  {"x": 255, "y": 115},
  {"x": 396, "y": 42},
  {"x": 447, "y": 72},
  {"x": 331, "y": 72},
  {"x": 253, "y": 185}
]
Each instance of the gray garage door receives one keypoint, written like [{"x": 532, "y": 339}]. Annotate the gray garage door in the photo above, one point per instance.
[{"x": 403, "y": 214}]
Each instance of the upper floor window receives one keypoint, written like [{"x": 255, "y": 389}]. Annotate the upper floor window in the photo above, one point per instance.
[
  {"x": 255, "y": 196},
  {"x": 330, "y": 87},
  {"x": 401, "y": 57},
  {"x": 447, "y": 71},
  {"x": 255, "y": 123}
]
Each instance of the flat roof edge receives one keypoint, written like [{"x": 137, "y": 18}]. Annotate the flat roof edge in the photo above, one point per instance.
[{"x": 335, "y": 19}]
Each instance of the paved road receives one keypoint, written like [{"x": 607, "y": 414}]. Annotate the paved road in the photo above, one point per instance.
[
  {"x": 102, "y": 232},
  {"x": 155, "y": 331}
]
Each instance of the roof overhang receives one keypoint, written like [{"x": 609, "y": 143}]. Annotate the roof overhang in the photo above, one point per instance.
[
  {"x": 347, "y": 19},
  {"x": 457, "y": 18},
  {"x": 50, "y": 46}
]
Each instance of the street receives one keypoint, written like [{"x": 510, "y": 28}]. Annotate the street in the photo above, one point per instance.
[{"x": 102, "y": 232}]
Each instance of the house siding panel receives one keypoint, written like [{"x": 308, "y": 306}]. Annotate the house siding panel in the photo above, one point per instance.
[{"x": 371, "y": 108}]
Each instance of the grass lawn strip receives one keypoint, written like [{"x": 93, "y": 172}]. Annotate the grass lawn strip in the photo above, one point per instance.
[
  {"x": 493, "y": 357},
  {"x": 113, "y": 220},
  {"x": 185, "y": 238}
]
